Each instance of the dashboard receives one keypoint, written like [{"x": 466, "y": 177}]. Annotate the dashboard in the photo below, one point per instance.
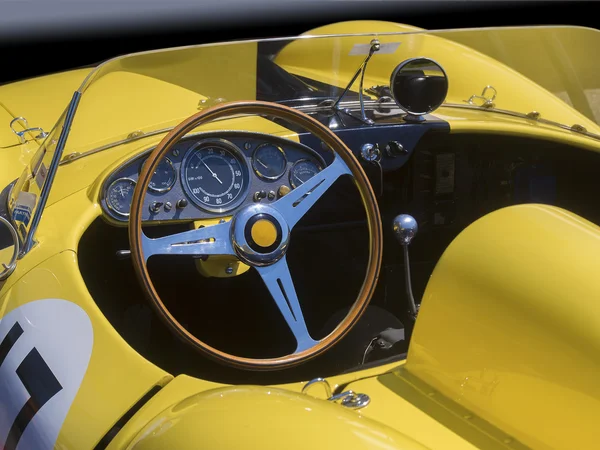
[{"x": 211, "y": 175}]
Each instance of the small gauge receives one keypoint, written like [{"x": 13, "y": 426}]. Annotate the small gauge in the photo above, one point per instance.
[
  {"x": 119, "y": 195},
  {"x": 269, "y": 161},
  {"x": 164, "y": 177},
  {"x": 302, "y": 171}
]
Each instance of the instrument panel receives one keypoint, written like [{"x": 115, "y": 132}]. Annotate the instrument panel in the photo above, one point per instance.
[{"x": 212, "y": 174}]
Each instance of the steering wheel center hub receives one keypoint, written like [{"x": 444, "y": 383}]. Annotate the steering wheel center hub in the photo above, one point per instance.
[{"x": 260, "y": 235}]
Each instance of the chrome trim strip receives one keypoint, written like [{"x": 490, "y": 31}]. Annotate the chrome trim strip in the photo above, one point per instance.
[
  {"x": 534, "y": 116},
  {"x": 75, "y": 156},
  {"x": 351, "y": 104},
  {"x": 8, "y": 269},
  {"x": 62, "y": 140}
]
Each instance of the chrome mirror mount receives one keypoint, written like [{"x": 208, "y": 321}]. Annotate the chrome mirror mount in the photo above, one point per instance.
[
  {"x": 375, "y": 46},
  {"x": 419, "y": 86},
  {"x": 9, "y": 248}
]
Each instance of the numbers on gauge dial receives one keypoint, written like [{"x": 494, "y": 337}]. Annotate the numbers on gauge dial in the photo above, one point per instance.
[
  {"x": 215, "y": 176},
  {"x": 302, "y": 171},
  {"x": 119, "y": 195}
]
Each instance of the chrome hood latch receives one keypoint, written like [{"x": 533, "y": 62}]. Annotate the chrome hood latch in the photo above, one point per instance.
[{"x": 41, "y": 133}]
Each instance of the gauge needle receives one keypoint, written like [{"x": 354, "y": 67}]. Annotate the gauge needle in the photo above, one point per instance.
[
  {"x": 122, "y": 192},
  {"x": 296, "y": 177},
  {"x": 212, "y": 173},
  {"x": 262, "y": 163}
]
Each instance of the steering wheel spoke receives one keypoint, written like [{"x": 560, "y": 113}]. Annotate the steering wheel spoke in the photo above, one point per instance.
[
  {"x": 297, "y": 203},
  {"x": 211, "y": 240},
  {"x": 279, "y": 282}
]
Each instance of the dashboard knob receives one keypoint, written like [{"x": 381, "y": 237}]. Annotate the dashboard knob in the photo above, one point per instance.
[
  {"x": 395, "y": 148},
  {"x": 155, "y": 207},
  {"x": 259, "y": 195},
  {"x": 168, "y": 206},
  {"x": 181, "y": 203},
  {"x": 283, "y": 190}
]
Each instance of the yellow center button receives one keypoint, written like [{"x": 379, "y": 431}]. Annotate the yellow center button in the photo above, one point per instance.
[{"x": 264, "y": 233}]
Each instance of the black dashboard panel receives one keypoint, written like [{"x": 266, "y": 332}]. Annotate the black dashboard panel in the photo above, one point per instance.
[{"x": 179, "y": 202}]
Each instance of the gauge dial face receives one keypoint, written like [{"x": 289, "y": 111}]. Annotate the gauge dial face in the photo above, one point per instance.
[
  {"x": 302, "y": 171},
  {"x": 164, "y": 177},
  {"x": 119, "y": 195},
  {"x": 215, "y": 175},
  {"x": 269, "y": 161}
]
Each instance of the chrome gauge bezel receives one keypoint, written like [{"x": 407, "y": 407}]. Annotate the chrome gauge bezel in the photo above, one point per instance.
[
  {"x": 298, "y": 162},
  {"x": 107, "y": 193},
  {"x": 239, "y": 155},
  {"x": 258, "y": 172},
  {"x": 167, "y": 189}
]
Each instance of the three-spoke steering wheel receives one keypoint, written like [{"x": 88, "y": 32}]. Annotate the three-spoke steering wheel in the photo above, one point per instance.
[{"x": 267, "y": 253}]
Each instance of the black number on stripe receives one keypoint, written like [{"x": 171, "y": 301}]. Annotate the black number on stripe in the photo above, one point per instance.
[{"x": 37, "y": 378}]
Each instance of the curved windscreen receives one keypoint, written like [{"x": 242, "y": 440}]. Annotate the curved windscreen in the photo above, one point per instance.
[
  {"x": 155, "y": 90},
  {"x": 151, "y": 92}
]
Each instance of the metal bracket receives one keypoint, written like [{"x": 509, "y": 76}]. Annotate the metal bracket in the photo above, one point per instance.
[
  {"x": 348, "y": 399},
  {"x": 42, "y": 134},
  {"x": 375, "y": 47},
  {"x": 487, "y": 101}
]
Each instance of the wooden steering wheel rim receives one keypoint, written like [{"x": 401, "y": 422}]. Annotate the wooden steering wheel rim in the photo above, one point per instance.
[{"x": 361, "y": 181}]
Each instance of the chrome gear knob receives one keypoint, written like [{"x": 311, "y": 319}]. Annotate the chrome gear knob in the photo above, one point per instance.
[{"x": 405, "y": 228}]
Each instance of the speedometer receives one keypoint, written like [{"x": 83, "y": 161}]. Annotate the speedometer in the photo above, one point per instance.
[{"x": 215, "y": 175}]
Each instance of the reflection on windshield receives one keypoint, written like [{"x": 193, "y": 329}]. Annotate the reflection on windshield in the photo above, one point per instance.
[{"x": 154, "y": 91}]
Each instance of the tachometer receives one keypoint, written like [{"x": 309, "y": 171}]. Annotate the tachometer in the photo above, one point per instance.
[
  {"x": 269, "y": 161},
  {"x": 302, "y": 171},
  {"x": 164, "y": 177},
  {"x": 119, "y": 195},
  {"x": 215, "y": 175}
]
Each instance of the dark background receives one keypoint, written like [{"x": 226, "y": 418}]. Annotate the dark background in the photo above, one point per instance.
[{"x": 37, "y": 39}]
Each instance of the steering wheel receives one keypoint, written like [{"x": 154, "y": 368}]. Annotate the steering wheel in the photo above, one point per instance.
[{"x": 259, "y": 235}]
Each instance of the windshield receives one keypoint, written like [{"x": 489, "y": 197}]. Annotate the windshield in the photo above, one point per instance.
[{"x": 154, "y": 91}]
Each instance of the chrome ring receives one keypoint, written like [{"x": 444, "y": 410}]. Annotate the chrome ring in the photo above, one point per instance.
[
  {"x": 258, "y": 172},
  {"x": 241, "y": 245},
  {"x": 237, "y": 153},
  {"x": 167, "y": 189}
]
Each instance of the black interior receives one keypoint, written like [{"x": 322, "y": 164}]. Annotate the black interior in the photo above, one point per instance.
[{"x": 448, "y": 182}]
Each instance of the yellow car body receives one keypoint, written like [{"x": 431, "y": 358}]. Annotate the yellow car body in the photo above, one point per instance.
[{"x": 505, "y": 351}]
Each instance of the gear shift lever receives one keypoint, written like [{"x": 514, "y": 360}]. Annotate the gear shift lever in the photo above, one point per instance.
[{"x": 405, "y": 229}]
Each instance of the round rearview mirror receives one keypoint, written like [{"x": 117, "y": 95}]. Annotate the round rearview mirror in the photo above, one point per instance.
[
  {"x": 9, "y": 248},
  {"x": 419, "y": 85}
]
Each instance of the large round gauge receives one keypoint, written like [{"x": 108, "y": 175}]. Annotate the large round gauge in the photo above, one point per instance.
[
  {"x": 269, "y": 161},
  {"x": 119, "y": 195},
  {"x": 164, "y": 177},
  {"x": 302, "y": 171},
  {"x": 215, "y": 175}
]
